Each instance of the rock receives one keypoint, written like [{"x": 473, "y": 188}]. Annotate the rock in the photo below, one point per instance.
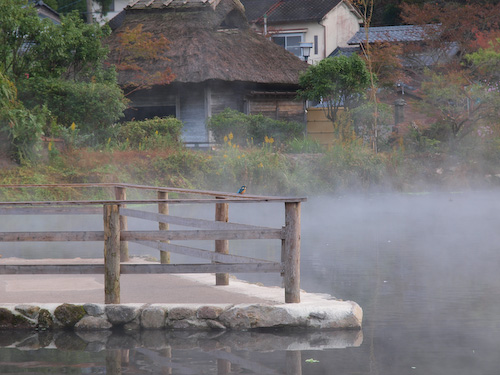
[
  {"x": 119, "y": 315},
  {"x": 88, "y": 323},
  {"x": 215, "y": 325},
  {"x": 9, "y": 320},
  {"x": 209, "y": 312},
  {"x": 29, "y": 311},
  {"x": 153, "y": 317},
  {"x": 256, "y": 316},
  {"x": 68, "y": 315},
  {"x": 93, "y": 309},
  {"x": 45, "y": 320},
  {"x": 187, "y": 324},
  {"x": 178, "y": 313}
]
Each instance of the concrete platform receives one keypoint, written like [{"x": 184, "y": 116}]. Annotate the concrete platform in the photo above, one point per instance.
[{"x": 262, "y": 306}]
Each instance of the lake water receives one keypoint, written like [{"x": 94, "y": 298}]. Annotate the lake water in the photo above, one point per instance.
[{"x": 424, "y": 268}]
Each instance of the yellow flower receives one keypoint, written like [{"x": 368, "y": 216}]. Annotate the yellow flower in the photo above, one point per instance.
[
  {"x": 238, "y": 156},
  {"x": 243, "y": 155},
  {"x": 266, "y": 139},
  {"x": 225, "y": 138},
  {"x": 156, "y": 132},
  {"x": 271, "y": 140},
  {"x": 234, "y": 146},
  {"x": 225, "y": 155},
  {"x": 73, "y": 126},
  {"x": 261, "y": 165},
  {"x": 231, "y": 135},
  {"x": 229, "y": 143},
  {"x": 50, "y": 146},
  {"x": 209, "y": 157}
]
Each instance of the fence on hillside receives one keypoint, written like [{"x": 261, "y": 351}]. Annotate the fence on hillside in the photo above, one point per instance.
[{"x": 116, "y": 234}]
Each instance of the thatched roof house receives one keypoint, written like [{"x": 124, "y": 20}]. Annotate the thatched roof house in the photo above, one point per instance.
[{"x": 217, "y": 60}]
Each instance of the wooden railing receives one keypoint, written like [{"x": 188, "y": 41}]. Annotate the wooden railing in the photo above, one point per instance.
[{"x": 116, "y": 235}]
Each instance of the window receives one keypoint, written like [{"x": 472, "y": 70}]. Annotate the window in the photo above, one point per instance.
[
  {"x": 290, "y": 42},
  {"x": 315, "y": 44}
]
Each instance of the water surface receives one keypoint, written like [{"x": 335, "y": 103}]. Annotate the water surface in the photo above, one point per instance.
[{"x": 424, "y": 268}]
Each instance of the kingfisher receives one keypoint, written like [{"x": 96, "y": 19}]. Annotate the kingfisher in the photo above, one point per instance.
[{"x": 242, "y": 189}]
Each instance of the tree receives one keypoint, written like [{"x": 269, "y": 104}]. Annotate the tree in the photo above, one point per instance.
[
  {"x": 458, "y": 104},
  {"x": 335, "y": 81},
  {"x": 461, "y": 24},
  {"x": 30, "y": 46},
  {"x": 136, "y": 46}
]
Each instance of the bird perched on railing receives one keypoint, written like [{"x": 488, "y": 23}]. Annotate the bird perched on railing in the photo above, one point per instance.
[{"x": 242, "y": 189}]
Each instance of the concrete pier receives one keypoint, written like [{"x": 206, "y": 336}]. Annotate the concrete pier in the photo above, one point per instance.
[{"x": 161, "y": 301}]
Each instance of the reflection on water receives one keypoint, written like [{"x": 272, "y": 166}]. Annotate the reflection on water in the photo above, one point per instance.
[
  {"x": 161, "y": 352},
  {"x": 424, "y": 268}
]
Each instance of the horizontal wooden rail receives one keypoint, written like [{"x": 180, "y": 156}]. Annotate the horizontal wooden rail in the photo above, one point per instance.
[
  {"x": 51, "y": 236},
  {"x": 187, "y": 222},
  {"x": 179, "y": 235},
  {"x": 172, "y": 235},
  {"x": 54, "y": 210},
  {"x": 199, "y": 253},
  {"x": 90, "y": 269},
  {"x": 150, "y": 201}
]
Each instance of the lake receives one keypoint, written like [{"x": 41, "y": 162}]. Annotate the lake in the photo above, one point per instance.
[{"x": 423, "y": 267}]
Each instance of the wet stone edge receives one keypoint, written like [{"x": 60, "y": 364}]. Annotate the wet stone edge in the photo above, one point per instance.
[{"x": 92, "y": 317}]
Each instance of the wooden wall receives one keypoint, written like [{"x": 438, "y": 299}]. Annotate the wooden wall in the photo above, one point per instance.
[
  {"x": 319, "y": 128},
  {"x": 277, "y": 108}
]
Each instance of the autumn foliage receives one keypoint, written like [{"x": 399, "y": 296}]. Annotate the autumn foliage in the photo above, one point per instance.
[{"x": 137, "y": 46}]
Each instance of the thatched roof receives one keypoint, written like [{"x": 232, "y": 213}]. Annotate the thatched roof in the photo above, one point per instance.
[{"x": 210, "y": 40}]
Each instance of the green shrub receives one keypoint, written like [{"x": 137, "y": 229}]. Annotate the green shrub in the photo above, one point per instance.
[
  {"x": 155, "y": 133},
  {"x": 22, "y": 128},
  {"x": 303, "y": 146},
  {"x": 351, "y": 166},
  {"x": 252, "y": 128},
  {"x": 94, "y": 107}
]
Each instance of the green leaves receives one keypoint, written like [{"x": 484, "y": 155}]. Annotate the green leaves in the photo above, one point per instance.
[{"x": 337, "y": 82}]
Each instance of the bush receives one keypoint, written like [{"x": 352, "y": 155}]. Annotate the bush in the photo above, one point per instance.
[
  {"x": 23, "y": 128},
  {"x": 155, "y": 133},
  {"x": 248, "y": 128},
  {"x": 94, "y": 107}
]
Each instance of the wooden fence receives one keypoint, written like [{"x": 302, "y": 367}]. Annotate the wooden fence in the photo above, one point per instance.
[{"x": 116, "y": 235}]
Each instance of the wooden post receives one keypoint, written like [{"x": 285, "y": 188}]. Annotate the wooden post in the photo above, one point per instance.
[
  {"x": 223, "y": 365},
  {"x": 293, "y": 362},
  {"x": 292, "y": 252},
  {"x": 111, "y": 254},
  {"x": 121, "y": 195},
  {"x": 163, "y": 209},
  {"x": 222, "y": 246}
]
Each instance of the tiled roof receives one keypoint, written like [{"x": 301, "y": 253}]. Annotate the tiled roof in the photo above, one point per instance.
[
  {"x": 405, "y": 33},
  {"x": 288, "y": 10},
  {"x": 161, "y": 4}
]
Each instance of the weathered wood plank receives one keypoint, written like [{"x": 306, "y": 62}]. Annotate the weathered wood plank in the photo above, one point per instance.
[
  {"x": 199, "y": 253},
  {"x": 201, "y": 268},
  {"x": 51, "y": 210},
  {"x": 51, "y": 236},
  {"x": 205, "y": 235},
  {"x": 98, "y": 269},
  {"x": 173, "y": 235},
  {"x": 291, "y": 253},
  {"x": 222, "y": 246},
  {"x": 152, "y": 201},
  {"x": 163, "y": 209},
  {"x": 184, "y": 221},
  {"x": 111, "y": 254},
  {"x": 49, "y": 269},
  {"x": 121, "y": 194}
]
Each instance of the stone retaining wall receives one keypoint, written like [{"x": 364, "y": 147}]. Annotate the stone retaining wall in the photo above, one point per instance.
[{"x": 332, "y": 314}]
